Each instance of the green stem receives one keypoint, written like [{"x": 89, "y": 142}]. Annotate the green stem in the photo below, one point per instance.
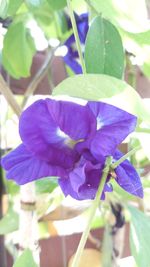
[
  {"x": 143, "y": 130},
  {"x": 131, "y": 72},
  {"x": 94, "y": 206},
  {"x": 75, "y": 31},
  {"x": 130, "y": 153}
]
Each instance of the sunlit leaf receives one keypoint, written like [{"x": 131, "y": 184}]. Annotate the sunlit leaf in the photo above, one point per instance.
[
  {"x": 129, "y": 15},
  {"x": 103, "y": 49},
  {"x": 105, "y": 88},
  {"x": 140, "y": 237}
]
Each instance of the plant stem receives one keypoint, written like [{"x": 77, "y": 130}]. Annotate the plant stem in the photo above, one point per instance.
[
  {"x": 6, "y": 92},
  {"x": 94, "y": 206},
  {"x": 131, "y": 72},
  {"x": 143, "y": 130},
  {"x": 38, "y": 76},
  {"x": 130, "y": 153},
  {"x": 75, "y": 30}
]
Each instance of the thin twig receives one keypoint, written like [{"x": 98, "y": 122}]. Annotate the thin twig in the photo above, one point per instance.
[
  {"x": 38, "y": 76},
  {"x": 6, "y": 92}
]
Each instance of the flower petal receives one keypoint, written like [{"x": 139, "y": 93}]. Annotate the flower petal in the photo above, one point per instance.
[
  {"x": 39, "y": 132},
  {"x": 83, "y": 182},
  {"x": 23, "y": 167},
  {"x": 113, "y": 126},
  {"x": 127, "y": 177},
  {"x": 72, "y": 63},
  {"x": 75, "y": 120}
]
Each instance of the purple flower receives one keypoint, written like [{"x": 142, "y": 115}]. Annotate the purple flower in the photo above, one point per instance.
[
  {"x": 71, "y": 58},
  {"x": 71, "y": 141}
]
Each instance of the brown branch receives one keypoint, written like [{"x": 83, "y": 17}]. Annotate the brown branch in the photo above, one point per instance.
[
  {"x": 38, "y": 76},
  {"x": 6, "y": 92}
]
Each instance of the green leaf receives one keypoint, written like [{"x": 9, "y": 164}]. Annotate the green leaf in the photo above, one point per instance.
[
  {"x": 18, "y": 50},
  {"x": 46, "y": 185},
  {"x": 13, "y": 6},
  {"x": 34, "y": 3},
  {"x": 100, "y": 87},
  {"x": 129, "y": 15},
  {"x": 62, "y": 21},
  {"x": 140, "y": 237},
  {"x": 26, "y": 259},
  {"x": 42, "y": 14},
  {"x": 9, "y": 7},
  {"x": 57, "y": 4},
  {"x": 103, "y": 49},
  {"x": 9, "y": 223}
]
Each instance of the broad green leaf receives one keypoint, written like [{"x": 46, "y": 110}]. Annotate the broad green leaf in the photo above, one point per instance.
[
  {"x": 9, "y": 223},
  {"x": 129, "y": 15},
  {"x": 42, "y": 13},
  {"x": 25, "y": 260},
  {"x": 34, "y": 3},
  {"x": 105, "y": 88},
  {"x": 57, "y": 4},
  {"x": 140, "y": 237},
  {"x": 103, "y": 49},
  {"x": 18, "y": 50},
  {"x": 46, "y": 185},
  {"x": 9, "y": 7},
  {"x": 13, "y": 6}
]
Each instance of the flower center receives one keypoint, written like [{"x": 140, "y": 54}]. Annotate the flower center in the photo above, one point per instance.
[
  {"x": 99, "y": 123},
  {"x": 67, "y": 140}
]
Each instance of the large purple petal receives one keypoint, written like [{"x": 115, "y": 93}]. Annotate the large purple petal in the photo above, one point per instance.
[
  {"x": 40, "y": 132},
  {"x": 23, "y": 167},
  {"x": 127, "y": 177},
  {"x": 75, "y": 120},
  {"x": 113, "y": 126},
  {"x": 83, "y": 182}
]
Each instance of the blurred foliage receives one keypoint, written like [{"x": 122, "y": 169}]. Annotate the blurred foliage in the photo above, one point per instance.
[
  {"x": 140, "y": 237},
  {"x": 25, "y": 259},
  {"x": 10, "y": 222}
]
